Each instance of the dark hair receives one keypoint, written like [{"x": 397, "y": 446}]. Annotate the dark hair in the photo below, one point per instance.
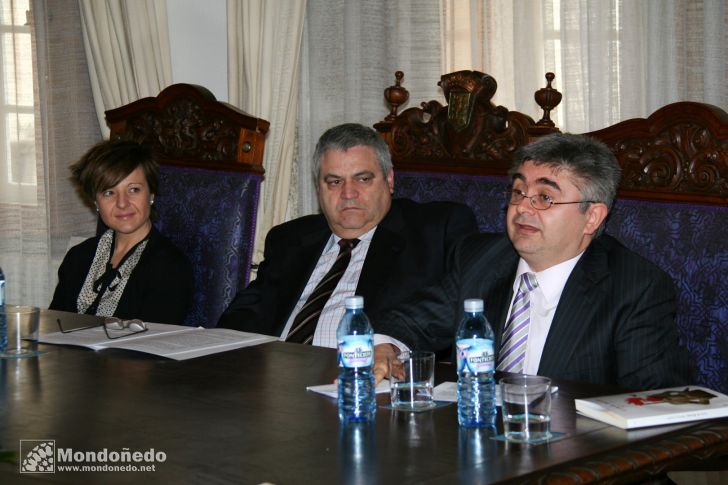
[
  {"x": 107, "y": 163},
  {"x": 594, "y": 166},
  {"x": 350, "y": 135}
]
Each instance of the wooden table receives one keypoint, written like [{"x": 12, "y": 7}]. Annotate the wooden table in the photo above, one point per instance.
[{"x": 245, "y": 417}]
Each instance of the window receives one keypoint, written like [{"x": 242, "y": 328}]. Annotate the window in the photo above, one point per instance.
[
  {"x": 518, "y": 42},
  {"x": 17, "y": 124}
]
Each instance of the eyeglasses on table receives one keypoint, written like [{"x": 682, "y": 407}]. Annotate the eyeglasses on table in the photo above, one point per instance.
[{"x": 111, "y": 326}]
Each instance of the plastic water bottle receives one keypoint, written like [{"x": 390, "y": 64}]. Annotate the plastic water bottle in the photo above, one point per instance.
[
  {"x": 354, "y": 335},
  {"x": 476, "y": 366},
  {"x": 3, "y": 321}
]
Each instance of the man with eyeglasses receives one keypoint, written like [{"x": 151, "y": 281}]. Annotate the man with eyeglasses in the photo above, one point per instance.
[{"x": 564, "y": 300}]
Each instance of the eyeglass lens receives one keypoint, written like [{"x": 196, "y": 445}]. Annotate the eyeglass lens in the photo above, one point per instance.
[
  {"x": 135, "y": 325},
  {"x": 538, "y": 201}
]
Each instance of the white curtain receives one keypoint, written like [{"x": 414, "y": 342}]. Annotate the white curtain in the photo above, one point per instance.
[
  {"x": 264, "y": 40},
  {"x": 127, "y": 46},
  {"x": 61, "y": 124},
  {"x": 351, "y": 51},
  {"x": 613, "y": 59}
]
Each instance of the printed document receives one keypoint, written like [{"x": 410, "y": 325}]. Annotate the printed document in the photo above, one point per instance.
[{"x": 171, "y": 341}]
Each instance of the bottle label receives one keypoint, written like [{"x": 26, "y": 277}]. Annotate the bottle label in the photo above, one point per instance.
[
  {"x": 356, "y": 351},
  {"x": 475, "y": 355}
]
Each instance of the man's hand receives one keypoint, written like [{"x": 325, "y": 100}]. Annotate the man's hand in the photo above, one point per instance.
[{"x": 382, "y": 354}]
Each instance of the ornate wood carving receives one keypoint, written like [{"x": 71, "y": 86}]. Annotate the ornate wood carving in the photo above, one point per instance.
[
  {"x": 396, "y": 95},
  {"x": 470, "y": 134},
  {"x": 679, "y": 153},
  {"x": 187, "y": 126},
  {"x": 548, "y": 98},
  {"x": 637, "y": 464}
]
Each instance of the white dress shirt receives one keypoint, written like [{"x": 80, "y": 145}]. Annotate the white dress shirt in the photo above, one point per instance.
[
  {"x": 544, "y": 300},
  {"x": 325, "y": 334}
]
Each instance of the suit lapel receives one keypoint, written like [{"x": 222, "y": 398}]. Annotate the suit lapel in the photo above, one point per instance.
[
  {"x": 574, "y": 311},
  {"x": 301, "y": 259},
  {"x": 386, "y": 244},
  {"x": 498, "y": 299},
  {"x": 309, "y": 250}
]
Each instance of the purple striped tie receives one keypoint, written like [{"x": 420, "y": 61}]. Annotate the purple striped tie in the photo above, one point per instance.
[{"x": 513, "y": 347}]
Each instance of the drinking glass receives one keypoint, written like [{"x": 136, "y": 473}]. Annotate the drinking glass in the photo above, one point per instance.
[
  {"x": 526, "y": 408},
  {"x": 411, "y": 379}
]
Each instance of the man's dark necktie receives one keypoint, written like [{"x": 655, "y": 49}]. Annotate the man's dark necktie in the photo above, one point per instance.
[{"x": 304, "y": 325}]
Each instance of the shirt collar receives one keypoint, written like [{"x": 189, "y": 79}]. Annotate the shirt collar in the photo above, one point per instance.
[
  {"x": 334, "y": 239},
  {"x": 551, "y": 281}
]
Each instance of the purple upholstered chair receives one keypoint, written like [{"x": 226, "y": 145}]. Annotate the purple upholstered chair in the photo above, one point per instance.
[
  {"x": 210, "y": 216},
  {"x": 211, "y": 168},
  {"x": 672, "y": 206}
]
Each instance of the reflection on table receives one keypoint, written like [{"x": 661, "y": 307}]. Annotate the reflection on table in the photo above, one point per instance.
[{"x": 244, "y": 416}]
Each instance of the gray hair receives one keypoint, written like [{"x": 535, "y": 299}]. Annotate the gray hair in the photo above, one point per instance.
[
  {"x": 595, "y": 167},
  {"x": 350, "y": 135}
]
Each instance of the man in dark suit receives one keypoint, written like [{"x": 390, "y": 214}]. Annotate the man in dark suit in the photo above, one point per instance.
[
  {"x": 401, "y": 245},
  {"x": 594, "y": 311}
]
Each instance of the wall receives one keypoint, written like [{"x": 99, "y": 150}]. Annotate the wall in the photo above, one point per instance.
[{"x": 198, "y": 41}]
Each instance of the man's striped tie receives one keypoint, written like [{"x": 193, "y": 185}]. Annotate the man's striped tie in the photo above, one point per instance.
[
  {"x": 513, "y": 345},
  {"x": 304, "y": 325}
]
